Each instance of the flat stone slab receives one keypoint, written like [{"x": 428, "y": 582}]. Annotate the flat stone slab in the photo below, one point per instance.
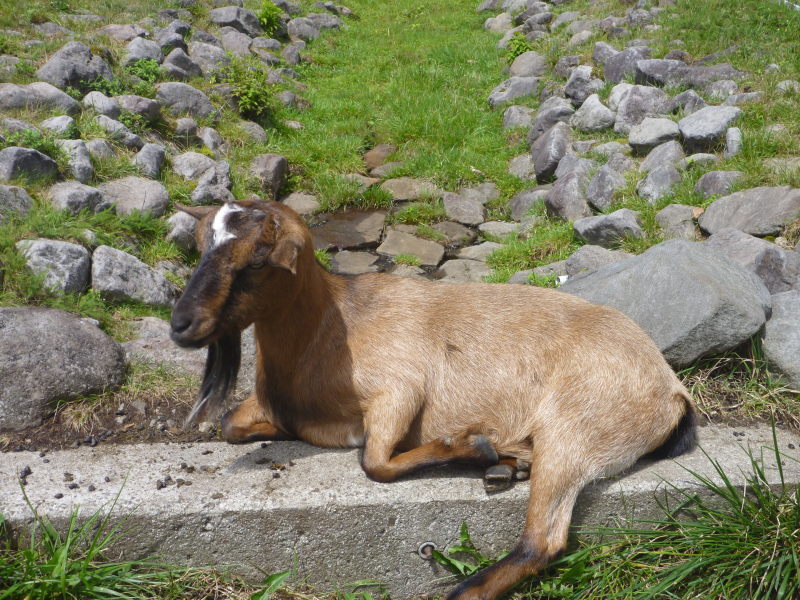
[
  {"x": 349, "y": 230},
  {"x": 322, "y": 515}
]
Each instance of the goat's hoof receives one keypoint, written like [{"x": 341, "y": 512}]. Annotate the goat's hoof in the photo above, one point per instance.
[
  {"x": 498, "y": 478},
  {"x": 487, "y": 453}
]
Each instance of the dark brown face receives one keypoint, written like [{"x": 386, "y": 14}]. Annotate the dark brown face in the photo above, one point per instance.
[{"x": 248, "y": 252}]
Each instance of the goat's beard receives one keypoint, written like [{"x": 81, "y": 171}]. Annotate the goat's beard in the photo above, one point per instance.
[{"x": 222, "y": 368}]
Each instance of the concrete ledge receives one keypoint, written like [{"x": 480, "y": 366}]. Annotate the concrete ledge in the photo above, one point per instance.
[{"x": 321, "y": 515}]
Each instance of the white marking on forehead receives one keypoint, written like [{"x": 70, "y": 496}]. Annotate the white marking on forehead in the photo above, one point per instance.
[{"x": 220, "y": 224}]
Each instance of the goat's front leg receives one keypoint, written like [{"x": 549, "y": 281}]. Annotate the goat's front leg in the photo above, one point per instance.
[
  {"x": 248, "y": 422},
  {"x": 387, "y": 422}
]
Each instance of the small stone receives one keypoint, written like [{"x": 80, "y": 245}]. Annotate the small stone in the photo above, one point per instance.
[
  {"x": 13, "y": 200},
  {"x": 703, "y": 129},
  {"x": 652, "y": 132},
  {"x": 522, "y": 167},
  {"x": 498, "y": 229},
  {"x": 513, "y": 88},
  {"x": 518, "y": 116},
  {"x": 668, "y": 153},
  {"x": 136, "y": 193},
  {"x": 16, "y": 162},
  {"x": 349, "y": 262},
  {"x": 608, "y": 230},
  {"x": 396, "y": 243},
  {"x": 182, "y": 227},
  {"x": 119, "y": 276},
  {"x": 409, "y": 188},
  {"x": 271, "y": 170},
  {"x": 593, "y": 115},
  {"x": 150, "y": 159},
  {"x": 102, "y": 104},
  {"x": 75, "y": 197},
  {"x": 717, "y": 183},
  {"x": 463, "y": 210},
  {"x": 142, "y": 49},
  {"x": 581, "y": 85},
  {"x": 733, "y": 142},
  {"x": 463, "y": 271},
  {"x": 79, "y": 161},
  {"x": 677, "y": 221},
  {"x": 658, "y": 183},
  {"x": 64, "y": 266},
  {"x": 62, "y": 126}
]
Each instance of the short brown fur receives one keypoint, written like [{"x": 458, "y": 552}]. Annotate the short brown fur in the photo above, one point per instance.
[{"x": 422, "y": 373}]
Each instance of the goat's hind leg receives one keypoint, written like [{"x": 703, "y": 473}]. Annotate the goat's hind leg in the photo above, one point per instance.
[
  {"x": 501, "y": 476},
  {"x": 247, "y": 422},
  {"x": 387, "y": 423}
]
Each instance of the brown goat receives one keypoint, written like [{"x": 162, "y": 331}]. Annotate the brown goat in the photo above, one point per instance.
[{"x": 423, "y": 373}]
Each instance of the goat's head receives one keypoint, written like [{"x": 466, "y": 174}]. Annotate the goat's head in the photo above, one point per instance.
[
  {"x": 250, "y": 251},
  {"x": 250, "y": 256}
]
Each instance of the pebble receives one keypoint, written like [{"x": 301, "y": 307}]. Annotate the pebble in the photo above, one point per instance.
[{"x": 58, "y": 496}]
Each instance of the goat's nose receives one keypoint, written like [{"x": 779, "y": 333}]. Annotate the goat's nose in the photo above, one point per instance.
[{"x": 180, "y": 322}]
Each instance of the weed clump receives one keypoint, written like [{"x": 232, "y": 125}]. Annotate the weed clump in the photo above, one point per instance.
[
  {"x": 248, "y": 81},
  {"x": 269, "y": 16},
  {"x": 517, "y": 45}
]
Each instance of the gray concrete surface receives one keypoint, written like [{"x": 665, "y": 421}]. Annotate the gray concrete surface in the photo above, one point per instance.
[{"x": 322, "y": 515}]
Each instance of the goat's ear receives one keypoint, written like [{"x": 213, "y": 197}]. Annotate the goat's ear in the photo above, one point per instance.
[
  {"x": 285, "y": 252},
  {"x": 198, "y": 212}
]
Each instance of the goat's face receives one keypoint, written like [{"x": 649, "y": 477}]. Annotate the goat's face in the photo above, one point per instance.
[{"x": 249, "y": 254}]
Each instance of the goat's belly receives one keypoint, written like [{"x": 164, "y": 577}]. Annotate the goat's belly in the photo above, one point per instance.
[{"x": 332, "y": 435}]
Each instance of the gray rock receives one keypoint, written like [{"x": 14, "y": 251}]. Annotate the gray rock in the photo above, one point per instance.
[
  {"x": 138, "y": 105},
  {"x": 733, "y": 142},
  {"x": 601, "y": 189},
  {"x": 14, "y": 200},
  {"x": 611, "y": 148},
  {"x": 352, "y": 230},
  {"x": 235, "y": 42},
  {"x": 102, "y": 104},
  {"x": 49, "y": 355},
  {"x": 528, "y": 64},
  {"x": 668, "y": 153},
  {"x": 522, "y": 167},
  {"x": 745, "y": 98},
  {"x": 521, "y": 277},
  {"x": 498, "y": 229},
  {"x": 553, "y": 110},
  {"x": 608, "y": 230},
  {"x": 186, "y": 130},
  {"x": 565, "y": 64},
  {"x": 179, "y": 65},
  {"x": 688, "y": 101},
  {"x": 119, "y": 132},
  {"x": 572, "y": 163},
  {"x": 181, "y": 98},
  {"x": 717, "y": 183},
  {"x": 10, "y": 126},
  {"x": 271, "y": 170},
  {"x": 254, "y": 131},
  {"x": 168, "y": 40},
  {"x": 16, "y": 163},
  {"x": 782, "y": 337},
  {"x": 703, "y": 130},
  {"x": 291, "y": 54},
  {"x": 513, "y": 88},
  {"x": 677, "y": 221},
  {"x": 602, "y": 52},
  {"x": 455, "y": 234},
  {"x": 191, "y": 165},
  {"x": 123, "y": 33},
  {"x": 593, "y": 115},
  {"x": 209, "y": 58},
  {"x": 499, "y": 24},
  {"x": 75, "y": 197},
  {"x": 181, "y": 231},
  {"x": 468, "y": 211},
  {"x": 788, "y": 86},
  {"x": 581, "y": 85},
  {"x": 409, "y": 188},
  {"x": 760, "y": 211},
  {"x": 72, "y": 65},
  {"x": 79, "y": 160},
  {"x": 567, "y": 198},
  {"x": 617, "y": 94},
  {"x": 675, "y": 72},
  {"x": 777, "y": 268},
  {"x": 658, "y": 183},
  {"x": 36, "y": 95},
  {"x": 639, "y": 101},
  {"x": 524, "y": 201},
  {"x": 484, "y": 193},
  {"x": 142, "y": 49},
  {"x": 517, "y": 116},
  {"x": 564, "y": 18},
  {"x": 549, "y": 149},
  {"x": 62, "y": 125},
  {"x": 303, "y": 204},
  {"x": 99, "y": 149},
  {"x": 652, "y": 132},
  {"x": 213, "y": 186},
  {"x": 590, "y": 258},
  {"x": 722, "y": 88},
  {"x": 690, "y": 299},
  {"x": 396, "y": 242},
  {"x": 623, "y": 64},
  {"x": 136, "y": 193},
  {"x": 479, "y": 252},
  {"x": 463, "y": 271},
  {"x": 212, "y": 140},
  {"x": 150, "y": 159},
  {"x": 701, "y": 159},
  {"x": 325, "y": 20},
  {"x": 348, "y": 262},
  {"x": 241, "y": 19},
  {"x": 118, "y": 276},
  {"x": 64, "y": 266},
  {"x": 302, "y": 28}
]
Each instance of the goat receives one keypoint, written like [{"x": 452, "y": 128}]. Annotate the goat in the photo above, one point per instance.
[{"x": 422, "y": 373}]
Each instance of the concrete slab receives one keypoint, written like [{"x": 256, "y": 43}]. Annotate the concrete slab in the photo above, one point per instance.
[{"x": 291, "y": 505}]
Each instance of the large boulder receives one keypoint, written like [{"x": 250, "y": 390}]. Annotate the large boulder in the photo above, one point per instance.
[
  {"x": 704, "y": 129},
  {"x": 136, "y": 193},
  {"x": 760, "y": 211},
  {"x": 49, "y": 355},
  {"x": 119, "y": 276},
  {"x": 609, "y": 230},
  {"x": 75, "y": 197},
  {"x": 36, "y": 95},
  {"x": 548, "y": 150},
  {"x": 16, "y": 162},
  {"x": 782, "y": 336},
  {"x": 240, "y": 19},
  {"x": 553, "y": 110},
  {"x": 14, "y": 200},
  {"x": 74, "y": 65},
  {"x": 181, "y": 98},
  {"x": 692, "y": 300},
  {"x": 63, "y": 266}
]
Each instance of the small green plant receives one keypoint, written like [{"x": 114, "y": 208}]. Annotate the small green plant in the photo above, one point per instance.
[
  {"x": 417, "y": 213},
  {"x": 323, "y": 258},
  {"x": 109, "y": 87},
  {"x": 33, "y": 138},
  {"x": 26, "y": 68},
  {"x": 133, "y": 121},
  {"x": 145, "y": 69},
  {"x": 269, "y": 16},
  {"x": 271, "y": 585},
  {"x": 407, "y": 259},
  {"x": 518, "y": 44},
  {"x": 248, "y": 80},
  {"x": 455, "y": 557},
  {"x": 550, "y": 280},
  {"x": 429, "y": 233}
]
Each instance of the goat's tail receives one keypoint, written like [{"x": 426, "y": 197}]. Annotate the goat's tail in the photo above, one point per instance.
[
  {"x": 222, "y": 368},
  {"x": 683, "y": 438}
]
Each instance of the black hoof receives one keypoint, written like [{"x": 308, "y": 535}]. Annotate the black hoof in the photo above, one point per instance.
[
  {"x": 484, "y": 447},
  {"x": 498, "y": 478}
]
